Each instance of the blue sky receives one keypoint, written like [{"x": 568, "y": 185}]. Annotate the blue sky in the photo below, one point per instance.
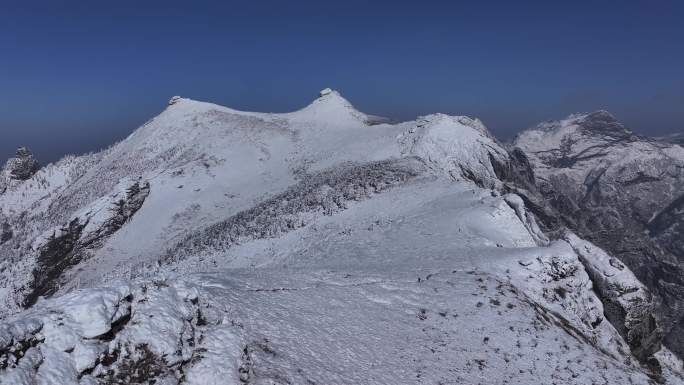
[{"x": 77, "y": 75}]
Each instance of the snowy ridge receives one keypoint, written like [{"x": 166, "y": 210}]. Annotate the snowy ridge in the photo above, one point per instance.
[
  {"x": 316, "y": 246},
  {"x": 205, "y": 163},
  {"x": 332, "y": 108}
]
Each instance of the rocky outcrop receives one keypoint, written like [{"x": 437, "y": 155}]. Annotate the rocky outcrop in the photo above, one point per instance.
[
  {"x": 627, "y": 303},
  {"x": 518, "y": 177},
  {"x": 667, "y": 227},
  {"x": 5, "y": 232},
  {"x": 619, "y": 191},
  {"x": 23, "y": 166},
  {"x": 86, "y": 232}
]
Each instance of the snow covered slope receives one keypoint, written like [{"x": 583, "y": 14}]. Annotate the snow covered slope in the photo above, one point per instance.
[
  {"x": 621, "y": 191},
  {"x": 319, "y": 246},
  {"x": 205, "y": 163}
]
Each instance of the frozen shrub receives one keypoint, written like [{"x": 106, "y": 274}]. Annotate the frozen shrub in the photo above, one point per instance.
[{"x": 326, "y": 192}]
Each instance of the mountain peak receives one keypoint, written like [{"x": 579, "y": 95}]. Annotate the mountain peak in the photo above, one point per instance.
[
  {"x": 332, "y": 107},
  {"x": 174, "y": 100},
  {"x": 598, "y": 114},
  {"x": 600, "y": 122},
  {"x": 597, "y": 123},
  {"x": 329, "y": 95}
]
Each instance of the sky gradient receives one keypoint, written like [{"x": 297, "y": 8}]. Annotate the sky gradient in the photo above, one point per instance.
[{"x": 76, "y": 76}]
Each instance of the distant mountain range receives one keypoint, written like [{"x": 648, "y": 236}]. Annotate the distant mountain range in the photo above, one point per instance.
[
  {"x": 674, "y": 138},
  {"x": 622, "y": 192}
]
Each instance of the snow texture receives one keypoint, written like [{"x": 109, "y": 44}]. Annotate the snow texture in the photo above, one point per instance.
[{"x": 321, "y": 246}]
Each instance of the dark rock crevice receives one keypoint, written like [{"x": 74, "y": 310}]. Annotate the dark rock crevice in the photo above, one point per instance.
[
  {"x": 518, "y": 178},
  {"x": 57, "y": 255},
  {"x": 5, "y": 232},
  {"x": 634, "y": 322}
]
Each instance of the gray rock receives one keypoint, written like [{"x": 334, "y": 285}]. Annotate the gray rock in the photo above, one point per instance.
[
  {"x": 5, "y": 232},
  {"x": 627, "y": 303},
  {"x": 23, "y": 166},
  {"x": 69, "y": 245}
]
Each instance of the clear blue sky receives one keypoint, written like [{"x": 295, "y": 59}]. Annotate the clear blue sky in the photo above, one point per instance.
[{"x": 77, "y": 75}]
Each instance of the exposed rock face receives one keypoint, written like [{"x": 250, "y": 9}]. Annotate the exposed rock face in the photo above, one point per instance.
[
  {"x": 86, "y": 232},
  {"x": 5, "y": 232},
  {"x": 518, "y": 177},
  {"x": 620, "y": 191},
  {"x": 667, "y": 227},
  {"x": 23, "y": 166},
  {"x": 627, "y": 304}
]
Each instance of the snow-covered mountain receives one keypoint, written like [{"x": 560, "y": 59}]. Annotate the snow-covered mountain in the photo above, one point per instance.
[
  {"x": 677, "y": 138},
  {"x": 624, "y": 193},
  {"x": 322, "y": 246}
]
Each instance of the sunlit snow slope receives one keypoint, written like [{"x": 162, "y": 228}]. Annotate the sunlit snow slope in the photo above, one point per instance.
[{"x": 321, "y": 246}]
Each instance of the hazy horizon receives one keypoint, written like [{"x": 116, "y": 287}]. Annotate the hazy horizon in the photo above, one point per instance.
[{"x": 79, "y": 78}]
